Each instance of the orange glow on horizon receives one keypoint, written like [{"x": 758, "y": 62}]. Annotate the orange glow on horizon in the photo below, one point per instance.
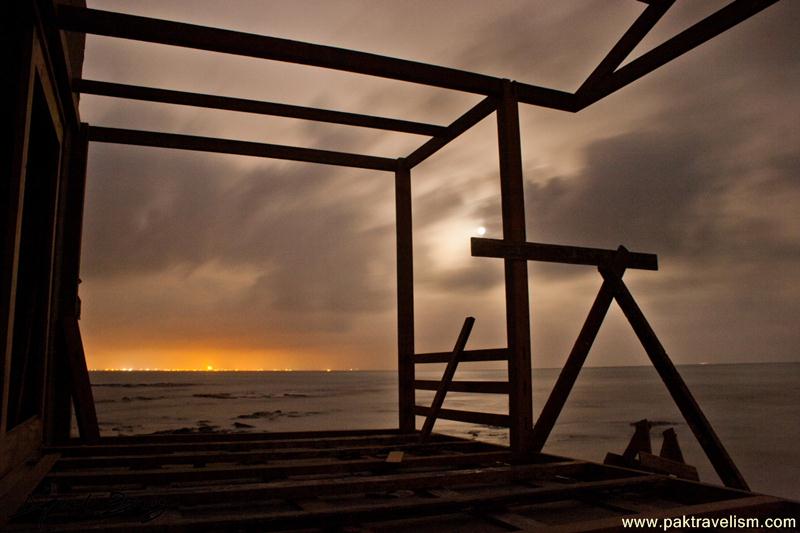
[{"x": 205, "y": 359}]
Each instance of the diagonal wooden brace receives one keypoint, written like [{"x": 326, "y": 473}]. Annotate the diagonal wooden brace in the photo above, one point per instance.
[
  {"x": 447, "y": 378},
  {"x": 688, "y": 406},
  {"x": 577, "y": 357}
]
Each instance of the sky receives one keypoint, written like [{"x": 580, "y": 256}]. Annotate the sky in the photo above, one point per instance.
[{"x": 193, "y": 260}]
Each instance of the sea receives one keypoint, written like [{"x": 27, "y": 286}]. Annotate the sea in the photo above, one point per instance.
[{"x": 754, "y": 408}]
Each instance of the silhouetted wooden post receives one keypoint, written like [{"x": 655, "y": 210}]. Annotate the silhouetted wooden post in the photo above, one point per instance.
[
  {"x": 82, "y": 396},
  {"x": 447, "y": 378},
  {"x": 405, "y": 297},
  {"x": 69, "y": 226},
  {"x": 520, "y": 398},
  {"x": 688, "y": 406}
]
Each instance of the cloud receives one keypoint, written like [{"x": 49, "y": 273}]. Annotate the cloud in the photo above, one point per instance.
[{"x": 697, "y": 162}]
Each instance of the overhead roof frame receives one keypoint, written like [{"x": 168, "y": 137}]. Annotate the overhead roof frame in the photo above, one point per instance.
[{"x": 607, "y": 78}]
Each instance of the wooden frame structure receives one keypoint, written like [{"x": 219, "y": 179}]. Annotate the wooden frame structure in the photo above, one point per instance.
[{"x": 45, "y": 61}]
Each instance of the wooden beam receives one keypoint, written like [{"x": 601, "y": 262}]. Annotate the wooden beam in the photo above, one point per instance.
[
  {"x": 404, "y": 259},
  {"x": 260, "y": 455},
  {"x": 544, "y": 97},
  {"x": 478, "y": 112},
  {"x": 345, "y": 513},
  {"x": 228, "y": 146},
  {"x": 158, "y": 476},
  {"x": 285, "y": 437},
  {"x": 247, "y": 44},
  {"x": 81, "y": 387},
  {"x": 69, "y": 227},
  {"x": 577, "y": 357},
  {"x": 518, "y": 335},
  {"x": 242, "y": 105},
  {"x": 470, "y": 417},
  {"x": 484, "y": 387},
  {"x": 688, "y": 406},
  {"x": 556, "y": 253},
  {"x": 301, "y": 488},
  {"x": 708, "y": 28},
  {"x": 447, "y": 378},
  {"x": 629, "y": 40},
  {"x": 108, "y": 448},
  {"x": 490, "y": 354}
]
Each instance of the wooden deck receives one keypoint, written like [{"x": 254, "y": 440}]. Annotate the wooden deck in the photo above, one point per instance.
[{"x": 341, "y": 481}]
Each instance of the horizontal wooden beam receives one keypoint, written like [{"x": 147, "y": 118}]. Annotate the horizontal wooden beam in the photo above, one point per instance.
[
  {"x": 152, "y": 30},
  {"x": 544, "y": 97},
  {"x": 228, "y": 146},
  {"x": 708, "y": 28},
  {"x": 474, "y": 115},
  {"x": 183, "y": 457},
  {"x": 159, "y": 476},
  {"x": 556, "y": 253},
  {"x": 309, "y": 488},
  {"x": 165, "y": 96},
  {"x": 485, "y": 387},
  {"x": 491, "y": 354},
  {"x": 358, "y": 511},
  {"x": 235, "y": 442},
  {"x": 334, "y": 436},
  {"x": 470, "y": 417}
]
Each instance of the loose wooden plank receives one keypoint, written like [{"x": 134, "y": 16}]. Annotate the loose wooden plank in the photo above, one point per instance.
[
  {"x": 472, "y": 417},
  {"x": 447, "y": 378},
  {"x": 286, "y": 468},
  {"x": 667, "y": 466},
  {"x": 229, "y": 146},
  {"x": 18, "y": 485}
]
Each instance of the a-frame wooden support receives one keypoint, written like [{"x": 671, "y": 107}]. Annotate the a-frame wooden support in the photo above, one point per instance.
[{"x": 612, "y": 265}]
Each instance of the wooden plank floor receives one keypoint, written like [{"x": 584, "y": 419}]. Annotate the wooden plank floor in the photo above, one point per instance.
[{"x": 341, "y": 481}]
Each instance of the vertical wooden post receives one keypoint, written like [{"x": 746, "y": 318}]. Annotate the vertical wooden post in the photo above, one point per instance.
[
  {"x": 66, "y": 279},
  {"x": 405, "y": 297},
  {"x": 520, "y": 398}
]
